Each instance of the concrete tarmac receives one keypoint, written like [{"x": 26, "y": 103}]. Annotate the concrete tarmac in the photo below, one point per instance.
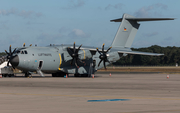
[{"x": 146, "y": 93}]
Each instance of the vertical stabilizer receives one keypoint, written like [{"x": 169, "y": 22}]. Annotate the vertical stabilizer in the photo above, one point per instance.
[
  {"x": 126, "y": 32},
  {"x": 128, "y": 29}
]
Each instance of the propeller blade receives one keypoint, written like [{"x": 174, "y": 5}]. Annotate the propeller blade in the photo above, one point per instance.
[
  {"x": 30, "y": 45},
  {"x": 107, "y": 60},
  {"x": 78, "y": 49},
  {"x": 24, "y": 45},
  {"x": 76, "y": 63},
  {"x": 10, "y": 49},
  {"x": 14, "y": 50},
  {"x": 7, "y": 52},
  {"x": 104, "y": 64},
  {"x": 74, "y": 47},
  {"x": 70, "y": 52},
  {"x": 72, "y": 61},
  {"x": 8, "y": 63},
  {"x": 98, "y": 51},
  {"x": 100, "y": 62},
  {"x": 103, "y": 48},
  {"x": 108, "y": 49}
]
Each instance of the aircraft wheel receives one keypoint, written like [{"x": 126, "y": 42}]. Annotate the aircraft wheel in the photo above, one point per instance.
[
  {"x": 54, "y": 75},
  {"x": 84, "y": 75},
  {"x": 80, "y": 75},
  {"x": 5, "y": 75},
  {"x": 9, "y": 75},
  {"x": 61, "y": 74},
  {"x": 27, "y": 74},
  {"x": 76, "y": 75},
  {"x": 58, "y": 74}
]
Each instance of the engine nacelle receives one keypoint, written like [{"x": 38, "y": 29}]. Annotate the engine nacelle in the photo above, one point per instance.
[
  {"x": 84, "y": 54},
  {"x": 113, "y": 56}
]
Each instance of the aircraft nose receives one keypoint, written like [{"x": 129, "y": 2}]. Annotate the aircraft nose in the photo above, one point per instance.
[{"x": 14, "y": 61}]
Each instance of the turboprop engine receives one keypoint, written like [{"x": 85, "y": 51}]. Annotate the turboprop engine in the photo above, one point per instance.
[{"x": 84, "y": 54}]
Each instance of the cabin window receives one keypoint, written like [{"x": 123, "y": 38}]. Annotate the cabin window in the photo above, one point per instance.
[{"x": 25, "y": 52}]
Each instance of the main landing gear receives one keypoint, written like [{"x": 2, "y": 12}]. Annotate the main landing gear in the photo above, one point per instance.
[{"x": 58, "y": 74}]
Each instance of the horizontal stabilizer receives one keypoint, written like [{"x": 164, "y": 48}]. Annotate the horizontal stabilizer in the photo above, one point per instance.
[
  {"x": 142, "y": 19},
  {"x": 141, "y": 53}
]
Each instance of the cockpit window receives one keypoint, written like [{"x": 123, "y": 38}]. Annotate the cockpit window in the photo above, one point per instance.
[
  {"x": 22, "y": 52},
  {"x": 25, "y": 52},
  {"x": 18, "y": 52}
]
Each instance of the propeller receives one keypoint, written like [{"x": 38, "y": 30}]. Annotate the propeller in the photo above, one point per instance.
[
  {"x": 24, "y": 45},
  {"x": 103, "y": 56},
  {"x": 74, "y": 54},
  {"x": 10, "y": 55}
]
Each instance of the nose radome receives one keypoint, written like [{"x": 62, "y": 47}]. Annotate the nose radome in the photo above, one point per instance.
[{"x": 14, "y": 61}]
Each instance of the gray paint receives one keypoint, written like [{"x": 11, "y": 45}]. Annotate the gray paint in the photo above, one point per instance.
[{"x": 126, "y": 32}]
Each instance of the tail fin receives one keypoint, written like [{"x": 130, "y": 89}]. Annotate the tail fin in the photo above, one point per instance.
[{"x": 128, "y": 29}]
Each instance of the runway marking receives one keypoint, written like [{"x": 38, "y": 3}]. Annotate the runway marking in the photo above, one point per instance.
[
  {"x": 107, "y": 100},
  {"x": 113, "y": 97}
]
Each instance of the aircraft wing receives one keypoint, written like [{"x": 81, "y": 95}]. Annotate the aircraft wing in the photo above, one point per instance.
[
  {"x": 140, "y": 53},
  {"x": 93, "y": 51},
  {"x": 133, "y": 52}
]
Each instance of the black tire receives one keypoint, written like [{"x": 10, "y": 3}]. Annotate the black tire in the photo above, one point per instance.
[
  {"x": 54, "y": 75},
  {"x": 80, "y": 75},
  {"x": 58, "y": 74},
  {"x": 76, "y": 75},
  {"x": 84, "y": 75},
  {"x": 27, "y": 74}
]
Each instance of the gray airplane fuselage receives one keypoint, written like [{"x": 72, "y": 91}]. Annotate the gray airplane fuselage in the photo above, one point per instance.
[{"x": 53, "y": 59}]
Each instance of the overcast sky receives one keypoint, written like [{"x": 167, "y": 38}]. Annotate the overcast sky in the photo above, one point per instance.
[{"x": 86, "y": 22}]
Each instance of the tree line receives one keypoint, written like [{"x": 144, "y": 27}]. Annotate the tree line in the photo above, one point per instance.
[
  {"x": 171, "y": 57},
  {"x": 2, "y": 53}
]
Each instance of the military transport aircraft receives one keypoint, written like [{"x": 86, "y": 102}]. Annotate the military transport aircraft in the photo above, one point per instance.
[{"x": 60, "y": 60}]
